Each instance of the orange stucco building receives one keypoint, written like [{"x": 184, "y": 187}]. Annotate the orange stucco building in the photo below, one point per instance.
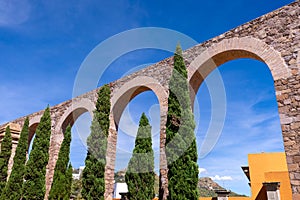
[
  {"x": 269, "y": 168},
  {"x": 268, "y": 177}
]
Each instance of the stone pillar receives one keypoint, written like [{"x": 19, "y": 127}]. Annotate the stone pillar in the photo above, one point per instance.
[
  {"x": 222, "y": 194},
  {"x": 288, "y": 101},
  {"x": 110, "y": 159},
  {"x": 15, "y": 131},
  {"x": 163, "y": 176},
  {"x": 55, "y": 143},
  {"x": 272, "y": 189}
]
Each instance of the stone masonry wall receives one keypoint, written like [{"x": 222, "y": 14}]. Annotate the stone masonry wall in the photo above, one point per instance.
[{"x": 278, "y": 31}]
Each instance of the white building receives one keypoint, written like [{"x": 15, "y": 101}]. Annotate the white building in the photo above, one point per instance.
[
  {"x": 77, "y": 176},
  {"x": 119, "y": 187}
]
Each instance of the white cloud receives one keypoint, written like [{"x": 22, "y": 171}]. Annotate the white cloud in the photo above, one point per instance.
[
  {"x": 202, "y": 170},
  {"x": 13, "y": 12},
  {"x": 221, "y": 178}
]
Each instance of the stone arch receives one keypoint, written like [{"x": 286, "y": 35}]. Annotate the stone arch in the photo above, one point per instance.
[
  {"x": 33, "y": 123},
  {"x": 129, "y": 90},
  {"x": 119, "y": 99},
  {"x": 74, "y": 111},
  {"x": 227, "y": 50},
  {"x": 247, "y": 47},
  {"x": 76, "y": 107},
  {"x": 231, "y": 49}
]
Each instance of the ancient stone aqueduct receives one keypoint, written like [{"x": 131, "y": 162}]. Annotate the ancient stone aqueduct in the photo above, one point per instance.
[{"x": 273, "y": 39}]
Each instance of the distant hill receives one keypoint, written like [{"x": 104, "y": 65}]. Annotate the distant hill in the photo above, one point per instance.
[
  {"x": 120, "y": 176},
  {"x": 206, "y": 185}
]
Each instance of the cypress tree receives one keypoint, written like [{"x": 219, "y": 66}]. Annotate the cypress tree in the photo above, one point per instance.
[
  {"x": 69, "y": 179},
  {"x": 140, "y": 175},
  {"x": 61, "y": 185},
  {"x": 6, "y": 147},
  {"x": 181, "y": 150},
  {"x": 35, "y": 170},
  {"x": 93, "y": 183},
  {"x": 13, "y": 188}
]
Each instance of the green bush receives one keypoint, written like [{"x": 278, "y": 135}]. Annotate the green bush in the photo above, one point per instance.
[
  {"x": 181, "y": 150},
  {"x": 140, "y": 175},
  {"x": 35, "y": 170},
  {"x": 62, "y": 180},
  {"x": 6, "y": 147},
  {"x": 13, "y": 188},
  {"x": 93, "y": 183}
]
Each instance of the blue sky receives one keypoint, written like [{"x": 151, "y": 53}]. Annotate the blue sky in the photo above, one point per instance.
[{"x": 43, "y": 43}]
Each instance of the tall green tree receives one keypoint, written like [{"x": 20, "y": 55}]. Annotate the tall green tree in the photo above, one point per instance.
[
  {"x": 6, "y": 147},
  {"x": 181, "y": 150},
  {"x": 13, "y": 188},
  {"x": 93, "y": 183},
  {"x": 69, "y": 178},
  {"x": 35, "y": 170},
  {"x": 62, "y": 181},
  {"x": 140, "y": 175},
  {"x": 76, "y": 189}
]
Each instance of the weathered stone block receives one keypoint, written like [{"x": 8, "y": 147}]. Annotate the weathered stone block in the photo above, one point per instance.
[
  {"x": 295, "y": 125},
  {"x": 297, "y": 160},
  {"x": 295, "y": 182},
  {"x": 286, "y": 120}
]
